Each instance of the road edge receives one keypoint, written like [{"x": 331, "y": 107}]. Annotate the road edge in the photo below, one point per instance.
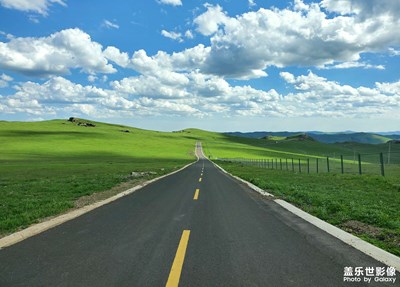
[
  {"x": 249, "y": 184},
  {"x": 367, "y": 248},
  {"x": 58, "y": 220}
]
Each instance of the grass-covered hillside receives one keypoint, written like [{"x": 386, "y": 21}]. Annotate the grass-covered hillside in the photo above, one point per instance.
[
  {"x": 298, "y": 146},
  {"x": 45, "y": 167},
  {"x": 367, "y": 138}
]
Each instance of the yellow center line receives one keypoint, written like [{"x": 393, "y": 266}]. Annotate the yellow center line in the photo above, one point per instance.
[
  {"x": 176, "y": 269},
  {"x": 196, "y": 194},
  {"x": 200, "y": 179}
]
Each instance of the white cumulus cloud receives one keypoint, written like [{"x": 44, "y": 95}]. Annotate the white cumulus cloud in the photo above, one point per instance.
[
  {"x": 252, "y": 3},
  {"x": 317, "y": 96},
  {"x": 4, "y": 80},
  {"x": 56, "y": 54},
  {"x": 303, "y": 35},
  {"x": 172, "y": 35},
  {"x": 349, "y": 65},
  {"x": 92, "y": 78},
  {"x": 363, "y": 8},
  {"x": 394, "y": 52},
  {"x": 170, "y": 93},
  {"x": 171, "y": 2},
  {"x": 209, "y": 22},
  {"x": 115, "y": 55},
  {"x": 37, "y": 6}
]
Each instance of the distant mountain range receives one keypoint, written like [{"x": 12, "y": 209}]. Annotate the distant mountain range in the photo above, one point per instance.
[{"x": 347, "y": 136}]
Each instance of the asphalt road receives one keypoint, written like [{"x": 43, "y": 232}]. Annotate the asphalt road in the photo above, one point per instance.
[{"x": 209, "y": 232}]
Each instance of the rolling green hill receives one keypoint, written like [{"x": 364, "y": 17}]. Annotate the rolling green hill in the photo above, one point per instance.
[
  {"x": 226, "y": 146},
  {"x": 368, "y": 138},
  {"x": 46, "y": 167}
]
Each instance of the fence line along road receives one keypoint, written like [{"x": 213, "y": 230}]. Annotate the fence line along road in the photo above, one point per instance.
[{"x": 385, "y": 164}]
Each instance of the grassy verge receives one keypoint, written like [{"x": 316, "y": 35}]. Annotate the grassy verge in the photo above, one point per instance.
[
  {"x": 47, "y": 168},
  {"x": 367, "y": 206}
]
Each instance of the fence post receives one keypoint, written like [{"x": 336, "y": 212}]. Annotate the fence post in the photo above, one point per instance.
[
  {"x": 280, "y": 161},
  {"x": 382, "y": 166},
  {"x": 359, "y": 164},
  {"x": 287, "y": 167},
  {"x": 341, "y": 163},
  {"x": 299, "y": 166},
  {"x": 327, "y": 164},
  {"x": 292, "y": 165},
  {"x": 308, "y": 165},
  {"x": 317, "y": 164}
]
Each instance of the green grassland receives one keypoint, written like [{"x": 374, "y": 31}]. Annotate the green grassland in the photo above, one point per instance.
[{"x": 47, "y": 168}]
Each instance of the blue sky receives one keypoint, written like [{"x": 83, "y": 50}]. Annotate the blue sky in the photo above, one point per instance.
[{"x": 329, "y": 65}]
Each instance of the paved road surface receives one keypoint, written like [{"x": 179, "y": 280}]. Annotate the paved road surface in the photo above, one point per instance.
[{"x": 227, "y": 236}]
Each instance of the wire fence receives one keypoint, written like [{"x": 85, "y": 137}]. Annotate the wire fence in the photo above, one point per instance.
[{"x": 384, "y": 164}]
